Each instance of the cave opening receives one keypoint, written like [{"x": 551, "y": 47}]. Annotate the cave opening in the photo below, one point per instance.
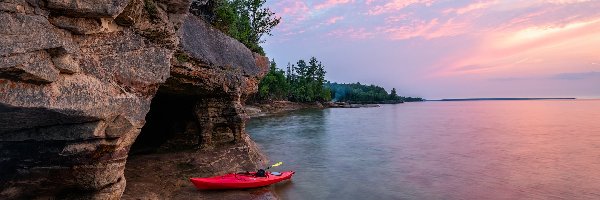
[
  {"x": 165, "y": 149},
  {"x": 186, "y": 136},
  {"x": 171, "y": 125}
]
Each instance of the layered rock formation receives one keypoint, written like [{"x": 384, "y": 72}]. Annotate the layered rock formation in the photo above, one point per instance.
[{"x": 78, "y": 77}]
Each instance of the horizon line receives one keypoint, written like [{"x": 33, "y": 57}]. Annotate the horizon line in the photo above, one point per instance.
[{"x": 504, "y": 99}]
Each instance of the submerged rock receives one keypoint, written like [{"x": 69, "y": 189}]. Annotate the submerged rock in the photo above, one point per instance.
[{"x": 77, "y": 79}]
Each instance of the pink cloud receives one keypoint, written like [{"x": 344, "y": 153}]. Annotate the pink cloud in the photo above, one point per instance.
[
  {"x": 292, "y": 7},
  {"x": 291, "y": 33},
  {"x": 333, "y": 20},
  {"x": 471, "y": 7},
  {"x": 419, "y": 28},
  {"x": 452, "y": 27},
  {"x": 297, "y": 9},
  {"x": 396, "y": 5},
  {"x": 292, "y": 14},
  {"x": 541, "y": 34},
  {"x": 538, "y": 46},
  {"x": 397, "y": 18},
  {"x": 352, "y": 33},
  {"x": 527, "y": 18},
  {"x": 331, "y": 3},
  {"x": 427, "y": 29},
  {"x": 563, "y": 2}
]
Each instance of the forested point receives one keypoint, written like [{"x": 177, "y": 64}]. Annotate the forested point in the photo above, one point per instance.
[
  {"x": 305, "y": 82},
  {"x": 359, "y": 93}
]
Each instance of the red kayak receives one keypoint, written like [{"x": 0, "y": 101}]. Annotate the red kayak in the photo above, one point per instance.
[{"x": 240, "y": 180}]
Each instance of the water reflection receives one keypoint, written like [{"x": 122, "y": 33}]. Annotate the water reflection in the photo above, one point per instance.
[
  {"x": 439, "y": 150},
  {"x": 303, "y": 133}
]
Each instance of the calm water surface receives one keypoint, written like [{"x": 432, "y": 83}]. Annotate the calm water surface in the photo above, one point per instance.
[{"x": 438, "y": 150}]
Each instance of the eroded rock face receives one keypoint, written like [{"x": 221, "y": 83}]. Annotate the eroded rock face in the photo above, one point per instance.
[
  {"x": 75, "y": 87},
  {"x": 78, "y": 77},
  {"x": 197, "y": 122},
  {"x": 218, "y": 71}
]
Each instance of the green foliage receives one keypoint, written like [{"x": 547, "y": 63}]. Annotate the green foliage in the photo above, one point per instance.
[
  {"x": 356, "y": 92},
  {"x": 245, "y": 20},
  {"x": 307, "y": 80},
  {"x": 274, "y": 85},
  {"x": 411, "y": 99},
  {"x": 393, "y": 95},
  {"x": 326, "y": 94},
  {"x": 303, "y": 82}
]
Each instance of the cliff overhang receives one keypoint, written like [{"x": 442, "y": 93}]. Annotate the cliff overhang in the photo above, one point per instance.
[{"x": 78, "y": 79}]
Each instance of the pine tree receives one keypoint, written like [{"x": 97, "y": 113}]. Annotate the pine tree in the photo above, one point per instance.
[{"x": 394, "y": 95}]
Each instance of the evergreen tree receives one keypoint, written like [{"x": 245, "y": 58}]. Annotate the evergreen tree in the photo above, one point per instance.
[
  {"x": 274, "y": 86},
  {"x": 245, "y": 20},
  {"x": 394, "y": 95}
]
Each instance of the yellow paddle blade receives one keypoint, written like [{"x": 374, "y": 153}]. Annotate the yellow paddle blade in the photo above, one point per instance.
[{"x": 277, "y": 164}]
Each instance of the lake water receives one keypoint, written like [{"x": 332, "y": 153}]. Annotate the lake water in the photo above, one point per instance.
[{"x": 438, "y": 150}]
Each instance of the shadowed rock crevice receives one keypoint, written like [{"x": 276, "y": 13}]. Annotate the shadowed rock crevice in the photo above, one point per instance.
[{"x": 170, "y": 125}]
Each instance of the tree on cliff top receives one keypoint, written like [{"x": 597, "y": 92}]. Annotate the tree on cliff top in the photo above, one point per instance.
[{"x": 245, "y": 20}]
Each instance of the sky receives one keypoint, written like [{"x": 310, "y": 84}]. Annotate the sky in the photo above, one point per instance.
[{"x": 447, "y": 48}]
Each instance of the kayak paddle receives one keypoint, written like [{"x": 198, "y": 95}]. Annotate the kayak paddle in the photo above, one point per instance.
[{"x": 275, "y": 165}]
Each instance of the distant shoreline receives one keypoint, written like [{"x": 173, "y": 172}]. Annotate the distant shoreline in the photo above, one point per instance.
[{"x": 502, "y": 99}]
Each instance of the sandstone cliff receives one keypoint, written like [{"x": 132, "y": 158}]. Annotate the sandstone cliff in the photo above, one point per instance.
[{"x": 78, "y": 79}]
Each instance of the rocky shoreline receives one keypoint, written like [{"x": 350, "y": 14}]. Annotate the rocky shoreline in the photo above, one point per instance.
[
  {"x": 352, "y": 105},
  {"x": 282, "y": 107},
  {"x": 278, "y": 107}
]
